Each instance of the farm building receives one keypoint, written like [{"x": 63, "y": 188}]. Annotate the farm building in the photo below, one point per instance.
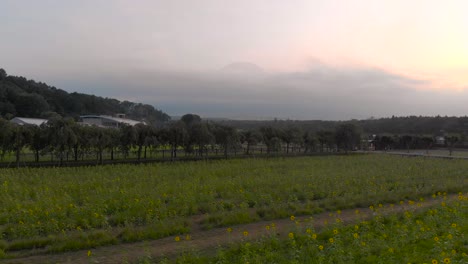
[
  {"x": 28, "y": 121},
  {"x": 107, "y": 121}
]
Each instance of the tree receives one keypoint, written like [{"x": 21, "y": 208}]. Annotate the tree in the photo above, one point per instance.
[
  {"x": 114, "y": 141},
  {"x": 100, "y": 140},
  {"x": 251, "y": 137},
  {"x": 31, "y": 104},
  {"x": 227, "y": 137},
  {"x": 384, "y": 142},
  {"x": 427, "y": 141},
  {"x": 3, "y": 74},
  {"x": 127, "y": 138},
  {"x": 271, "y": 137},
  {"x": 61, "y": 136},
  {"x": 176, "y": 135},
  {"x": 451, "y": 141},
  {"x": 201, "y": 135},
  {"x": 6, "y": 131},
  {"x": 406, "y": 141},
  {"x": 191, "y": 122},
  {"x": 142, "y": 138},
  {"x": 38, "y": 141},
  {"x": 325, "y": 138},
  {"x": 21, "y": 137},
  {"x": 310, "y": 141},
  {"x": 190, "y": 119},
  {"x": 292, "y": 135},
  {"x": 347, "y": 136}
]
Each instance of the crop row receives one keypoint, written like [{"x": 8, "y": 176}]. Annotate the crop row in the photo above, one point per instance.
[
  {"x": 59, "y": 209},
  {"x": 435, "y": 235}
]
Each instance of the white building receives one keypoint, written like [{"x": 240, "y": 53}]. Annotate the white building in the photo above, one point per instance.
[
  {"x": 108, "y": 121},
  {"x": 28, "y": 121}
]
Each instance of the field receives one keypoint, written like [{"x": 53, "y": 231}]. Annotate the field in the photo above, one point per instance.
[
  {"x": 66, "y": 209},
  {"x": 435, "y": 235}
]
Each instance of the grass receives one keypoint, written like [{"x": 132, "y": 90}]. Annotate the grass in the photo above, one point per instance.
[
  {"x": 62, "y": 209},
  {"x": 435, "y": 235}
]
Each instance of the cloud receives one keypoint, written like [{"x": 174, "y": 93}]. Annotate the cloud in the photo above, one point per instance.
[{"x": 323, "y": 92}]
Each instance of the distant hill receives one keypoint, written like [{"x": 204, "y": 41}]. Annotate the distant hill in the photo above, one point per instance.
[{"x": 28, "y": 98}]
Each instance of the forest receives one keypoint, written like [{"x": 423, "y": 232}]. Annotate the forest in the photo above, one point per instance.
[{"x": 28, "y": 98}]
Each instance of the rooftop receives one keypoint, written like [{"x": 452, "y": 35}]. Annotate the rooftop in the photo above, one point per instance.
[{"x": 28, "y": 121}]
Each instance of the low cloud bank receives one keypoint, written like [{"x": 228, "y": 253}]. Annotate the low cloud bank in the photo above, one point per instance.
[{"x": 323, "y": 92}]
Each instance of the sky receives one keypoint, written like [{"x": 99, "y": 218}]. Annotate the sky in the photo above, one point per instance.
[{"x": 248, "y": 59}]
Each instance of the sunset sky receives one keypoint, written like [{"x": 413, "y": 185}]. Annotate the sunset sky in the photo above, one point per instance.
[{"x": 252, "y": 59}]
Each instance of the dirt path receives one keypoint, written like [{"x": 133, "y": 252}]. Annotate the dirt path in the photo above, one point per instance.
[{"x": 211, "y": 239}]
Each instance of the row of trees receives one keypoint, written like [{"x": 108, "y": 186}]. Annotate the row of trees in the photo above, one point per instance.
[
  {"x": 67, "y": 139},
  {"x": 407, "y": 141}
]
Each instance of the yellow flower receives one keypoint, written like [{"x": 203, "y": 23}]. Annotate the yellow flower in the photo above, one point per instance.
[
  {"x": 371, "y": 207},
  {"x": 89, "y": 253},
  {"x": 267, "y": 227},
  {"x": 434, "y": 261},
  {"x": 308, "y": 231},
  {"x": 338, "y": 212},
  {"x": 356, "y": 227},
  {"x": 314, "y": 236},
  {"x": 436, "y": 239},
  {"x": 320, "y": 247},
  {"x": 291, "y": 235},
  {"x": 446, "y": 260},
  {"x": 177, "y": 238},
  {"x": 188, "y": 237},
  {"x": 454, "y": 225},
  {"x": 331, "y": 240},
  {"x": 363, "y": 243},
  {"x": 380, "y": 205},
  {"x": 273, "y": 225},
  {"x": 449, "y": 236},
  {"x": 356, "y": 235},
  {"x": 292, "y": 217},
  {"x": 246, "y": 233},
  {"x": 357, "y": 211},
  {"x": 335, "y": 231},
  {"x": 229, "y": 230}
]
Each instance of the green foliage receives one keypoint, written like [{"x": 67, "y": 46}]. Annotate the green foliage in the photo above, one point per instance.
[
  {"x": 435, "y": 235},
  {"x": 347, "y": 136},
  {"x": 127, "y": 203},
  {"x": 28, "y": 98}
]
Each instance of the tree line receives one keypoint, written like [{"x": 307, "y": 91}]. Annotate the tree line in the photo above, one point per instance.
[
  {"x": 411, "y": 125},
  {"x": 68, "y": 140},
  {"x": 28, "y": 98}
]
